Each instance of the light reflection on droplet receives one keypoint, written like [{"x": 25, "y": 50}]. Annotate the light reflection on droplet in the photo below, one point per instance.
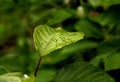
[{"x": 25, "y": 76}]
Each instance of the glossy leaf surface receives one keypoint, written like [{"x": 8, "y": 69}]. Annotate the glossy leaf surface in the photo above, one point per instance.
[{"x": 47, "y": 39}]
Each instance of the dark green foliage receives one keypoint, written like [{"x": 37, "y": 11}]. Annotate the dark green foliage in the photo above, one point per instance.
[
  {"x": 81, "y": 72},
  {"x": 108, "y": 51},
  {"x": 98, "y": 19},
  {"x": 89, "y": 28}
]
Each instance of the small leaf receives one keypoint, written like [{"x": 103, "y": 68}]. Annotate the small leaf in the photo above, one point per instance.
[
  {"x": 82, "y": 72},
  {"x": 47, "y": 39},
  {"x": 10, "y": 77}
]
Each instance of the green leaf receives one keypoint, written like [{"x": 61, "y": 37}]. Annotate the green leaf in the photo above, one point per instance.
[
  {"x": 78, "y": 46},
  {"x": 42, "y": 74},
  {"x": 89, "y": 28},
  {"x": 29, "y": 78},
  {"x": 11, "y": 65},
  {"x": 108, "y": 52},
  {"x": 52, "y": 58},
  {"x": 82, "y": 72},
  {"x": 104, "y": 3},
  {"x": 65, "y": 52},
  {"x": 107, "y": 18},
  {"x": 47, "y": 39},
  {"x": 112, "y": 62},
  {"x": 58, "y": 16},
  {"x": 10, "y": 77},
  {"x": 116, "y": 30},
  {"x": 3, "y": 70}
]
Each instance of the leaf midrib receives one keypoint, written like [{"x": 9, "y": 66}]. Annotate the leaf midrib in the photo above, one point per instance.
[{"x": 42, "y": 53}]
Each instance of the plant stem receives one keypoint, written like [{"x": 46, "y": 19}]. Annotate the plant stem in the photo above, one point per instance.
[{"x": 37, "y": 66}]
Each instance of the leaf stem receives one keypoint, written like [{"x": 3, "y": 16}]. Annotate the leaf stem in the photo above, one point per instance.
[{"x": 37, "y": 66}]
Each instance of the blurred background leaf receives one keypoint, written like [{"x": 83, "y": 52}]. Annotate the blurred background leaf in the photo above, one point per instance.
[
  {"x": 8, "y": 77},
  {"x": 105, "y": 3}
]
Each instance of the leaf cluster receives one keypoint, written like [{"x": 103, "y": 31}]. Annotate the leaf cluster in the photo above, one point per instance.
[{"x": 99, "y": 20}]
